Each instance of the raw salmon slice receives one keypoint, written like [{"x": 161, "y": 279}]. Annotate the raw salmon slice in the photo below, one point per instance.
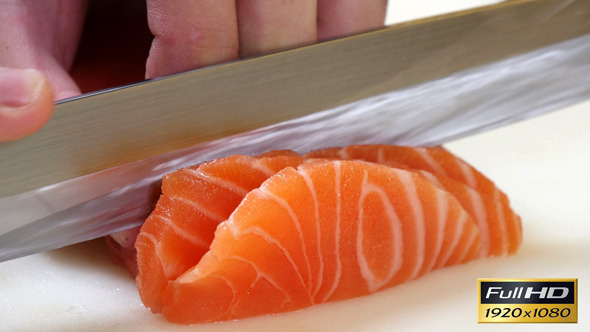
[
  {"x": 501, "y": 227},
  {"x": 194, "y": 201},
  {"x": 323, "y": 232},
  {"x": 436, "y": 160}
]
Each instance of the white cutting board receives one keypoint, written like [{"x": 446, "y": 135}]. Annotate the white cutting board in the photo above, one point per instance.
[{"x": 542, "y": 164}]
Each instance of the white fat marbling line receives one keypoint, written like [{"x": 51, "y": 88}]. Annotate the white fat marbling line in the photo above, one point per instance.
[
  {"x": 337, "y": 178},
  {"x": 343, "y": 154},
  {"x": 259, "y": 166},
  {"x": 263, "y": 192},
  {"x": 481, "y": 219},
  {"x": 207, "y": 212},
  {"x": 168, "y": 268},
  {"x": 373, "y": 283},
  {"x": 416, "y": 204},
  {"x": 225, "y": 280},
  {"x": 197, "y": 241},
  {"x": 442, "y": 203},
  {"x": 502, "y": 221},
  {"x": 261, "y": 233},
  {"x": 313, "y": 192},
  {"x": 465, "y": 251},
  {"x": 467, "y": 172},
  {"x": 381, "y": 157},
  {"x": 425, "y": 155},
  {"x": 432, "y": 178},
  {"x": 461, "y": 219},
  {"x": 260, "y": 275},
  {"x": 234, "y": 187}
]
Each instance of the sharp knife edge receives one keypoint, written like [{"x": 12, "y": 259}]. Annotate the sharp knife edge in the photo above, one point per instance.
[
  {"x": 536, "y": 83},
  {"x": 103, "y": 130}
]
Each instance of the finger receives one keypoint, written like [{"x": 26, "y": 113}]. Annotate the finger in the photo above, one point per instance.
[
  {"x": 26, "y": 102},
  {"x": 44, "y": 36},
  {"x": 41, "y": 35},
  {"x": 190, "y": 34},
  {"x": 344, "y": 17},
  {"x": 61, "y": 82},
  {"x": 268, "y": 25}
]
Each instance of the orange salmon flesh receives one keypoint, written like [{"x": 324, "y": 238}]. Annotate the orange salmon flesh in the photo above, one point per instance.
[{"x": 243, "y": 236}]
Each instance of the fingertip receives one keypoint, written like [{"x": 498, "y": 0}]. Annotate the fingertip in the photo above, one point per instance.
[
  {"x": 269, "y": 26},
  {"x": 26, "y": 102},
  {"x": 337, "y": 18},
  {"x": 190, "y": 34},
  {"x": 66, "y": 94}
]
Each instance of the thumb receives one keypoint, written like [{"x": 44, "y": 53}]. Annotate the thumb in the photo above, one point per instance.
[{"x": 26, "y": 102}]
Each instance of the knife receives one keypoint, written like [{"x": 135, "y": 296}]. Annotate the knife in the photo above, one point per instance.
[{"x": 94, "y": 168}]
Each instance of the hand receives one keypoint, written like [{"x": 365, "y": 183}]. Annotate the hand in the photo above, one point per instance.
[{"x": 39, "y": 40}]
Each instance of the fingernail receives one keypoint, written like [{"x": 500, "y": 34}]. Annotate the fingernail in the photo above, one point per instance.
[
  {"x": 18, "y": 87},
  {"x": 66, "y": 94}
]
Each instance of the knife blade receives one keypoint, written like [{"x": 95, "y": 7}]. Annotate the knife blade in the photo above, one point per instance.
[
  {"x": 363, "y": 73},
  {"x": 98, "y": 131}
]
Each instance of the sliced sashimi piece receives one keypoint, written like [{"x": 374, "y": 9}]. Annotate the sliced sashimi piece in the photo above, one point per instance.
[
  {"x": 323, "y": 232},
  {"x": 194, "y": 201},
  {"x": 436, "y": 160},
  {"x": 121, "y": 245},
  {"x": 501, "y": 228}
]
